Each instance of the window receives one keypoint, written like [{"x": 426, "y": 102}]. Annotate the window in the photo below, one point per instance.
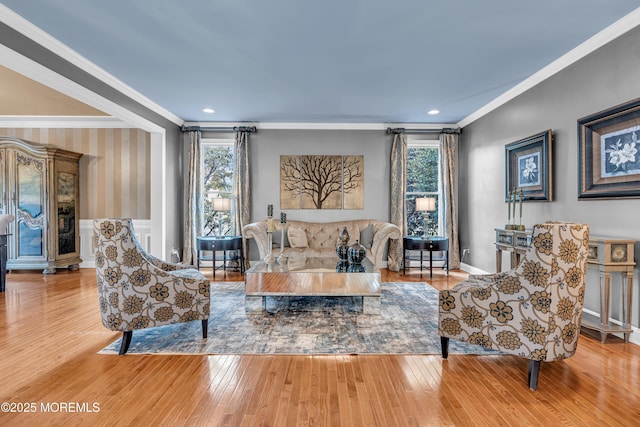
[
  {"x": 217, "y": 183},
  {"x": 423, "y": 180}
]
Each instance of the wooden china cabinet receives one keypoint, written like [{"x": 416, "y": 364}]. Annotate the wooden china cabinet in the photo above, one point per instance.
[{"x": 39, "y": 186}]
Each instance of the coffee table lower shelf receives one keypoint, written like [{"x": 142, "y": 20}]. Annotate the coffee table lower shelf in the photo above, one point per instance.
[{"x": 257, "y": 303}]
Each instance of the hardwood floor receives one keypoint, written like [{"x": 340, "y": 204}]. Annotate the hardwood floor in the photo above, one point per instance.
[{"x": 50, "y": 333}]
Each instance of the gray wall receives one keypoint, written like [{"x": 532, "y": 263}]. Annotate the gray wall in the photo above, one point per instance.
[
  {"x": 175, "y": 179},
  {"x": 608, "y": 77},
  {"x": 268, "y": 145}
]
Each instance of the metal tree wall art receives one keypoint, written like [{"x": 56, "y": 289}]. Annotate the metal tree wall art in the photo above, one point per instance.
[{"x": 321, "y": 182}]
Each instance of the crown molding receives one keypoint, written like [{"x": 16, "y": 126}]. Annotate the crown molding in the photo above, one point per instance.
[
  {"x": 351, "y": 126},
  {"x": 321, "y": 126},
  {"x": 612, "y": 32},
  {"x": 62, "y": 122},
  {"x": 52, "y": 44}
]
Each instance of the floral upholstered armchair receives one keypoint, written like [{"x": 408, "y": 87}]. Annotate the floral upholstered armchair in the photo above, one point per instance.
[
  {"x": 139, "y": 291},
  {"x": 532, "y": 311}
]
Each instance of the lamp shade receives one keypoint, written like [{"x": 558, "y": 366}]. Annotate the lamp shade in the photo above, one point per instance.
[
  {"x": 221, "y": 204},
  {"x": 425, "y": 204}
]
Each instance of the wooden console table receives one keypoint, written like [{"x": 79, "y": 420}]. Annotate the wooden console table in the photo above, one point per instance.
[
  {"x": 607, "y": 255},
  {"x": 610, "y": 255},
  {"x": 513, "y": 241}
]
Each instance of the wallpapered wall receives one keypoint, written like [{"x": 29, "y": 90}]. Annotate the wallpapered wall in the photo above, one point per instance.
[{"x": 114, "y": 171}]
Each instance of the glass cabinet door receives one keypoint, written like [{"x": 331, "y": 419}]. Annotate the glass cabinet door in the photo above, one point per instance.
[
  {"x": 66, "y": 193},
  {"x": 30, "y": 207}
]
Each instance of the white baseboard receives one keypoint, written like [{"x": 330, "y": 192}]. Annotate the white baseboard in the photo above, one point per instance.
[
  {"x": 471, "y": 269},
  {"x": 143, "y": 233}
]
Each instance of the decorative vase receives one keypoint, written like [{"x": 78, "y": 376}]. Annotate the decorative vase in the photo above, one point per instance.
[
  {"x": 342, "y": 251},
  {"x": 355, "y": 268},
  {"x": 356, "y": 253},
  {"x": 342, "y": 266},
  {"x": 344, "y": 236},
  {"x": 343, "y": 247}
]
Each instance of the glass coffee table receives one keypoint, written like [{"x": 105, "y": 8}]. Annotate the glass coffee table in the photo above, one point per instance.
[{"x": 308, "y": 276}]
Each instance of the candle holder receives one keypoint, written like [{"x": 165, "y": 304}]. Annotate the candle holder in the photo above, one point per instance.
[
  {"x": 269, "y": 258},
  {"x": 512, "y": 202},
  {"x": 520, "y": 227},
  {"x": 282, "y": 258}
]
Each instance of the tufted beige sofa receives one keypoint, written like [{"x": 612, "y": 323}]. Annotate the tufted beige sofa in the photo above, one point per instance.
[{"x": 322, "y": 237}]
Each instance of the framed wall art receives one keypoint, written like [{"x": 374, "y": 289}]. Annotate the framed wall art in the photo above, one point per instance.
[
  {"x": 608, "y": 157},
  {"x": 528, "y": 167},
  {"x": 321, "y": 182}
]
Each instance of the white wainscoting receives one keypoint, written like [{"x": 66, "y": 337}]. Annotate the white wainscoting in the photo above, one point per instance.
[{"x": 143, "y": 233}]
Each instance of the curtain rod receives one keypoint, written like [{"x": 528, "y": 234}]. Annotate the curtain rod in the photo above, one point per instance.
[
  {"x": 403, "y": 130},
  {"x": 220, "y": 129}
]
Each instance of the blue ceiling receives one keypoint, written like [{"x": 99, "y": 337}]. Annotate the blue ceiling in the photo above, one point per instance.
[{"x": 325, "y": 61}]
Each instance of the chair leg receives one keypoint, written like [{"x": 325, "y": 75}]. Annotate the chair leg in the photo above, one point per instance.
[
  {"x": 534, "y": 369},
  {"x": 205, "y": 328},
  {"x": 126, "y": 340},
  {"x": 444, "y": 343}
]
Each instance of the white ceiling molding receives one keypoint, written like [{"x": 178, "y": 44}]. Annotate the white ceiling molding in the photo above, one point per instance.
[
  {"x": 39, "y": 36},
  {"x": 423, "y": 126},
  {"x": 323, "y": 126},
  {"x": 218, "y": 124},
  {"x": 612, "y": 32},
  {"x": 63, "y": 122},
  {"x": 35, "y": 71}
]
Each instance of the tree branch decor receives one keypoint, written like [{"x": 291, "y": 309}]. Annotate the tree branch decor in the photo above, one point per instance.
[{"x": 321, "y": 182}]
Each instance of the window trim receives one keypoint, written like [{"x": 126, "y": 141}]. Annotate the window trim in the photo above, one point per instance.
[
  {"x": 216, "y": 142},
  {"x": 204, "y": 143},
  {"x": 432, "y": 143}
]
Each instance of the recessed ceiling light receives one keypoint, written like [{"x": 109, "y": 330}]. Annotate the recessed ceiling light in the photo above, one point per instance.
[
  {"x": 209, "y": 110},
  {"x": 433, "y": 112}
]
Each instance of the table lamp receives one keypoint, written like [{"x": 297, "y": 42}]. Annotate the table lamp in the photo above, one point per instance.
[
  {"x": 426, "y": 204},
  {"x": 220, "y": 204}
]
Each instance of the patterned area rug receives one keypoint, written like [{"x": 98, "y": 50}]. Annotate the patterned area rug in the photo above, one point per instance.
[{"x": 407, "y": 324}]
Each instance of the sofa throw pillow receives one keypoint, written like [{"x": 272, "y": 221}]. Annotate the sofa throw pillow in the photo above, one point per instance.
[
  {"x": 297, "y": 238},
  {"x": 366, "y": 236}
]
